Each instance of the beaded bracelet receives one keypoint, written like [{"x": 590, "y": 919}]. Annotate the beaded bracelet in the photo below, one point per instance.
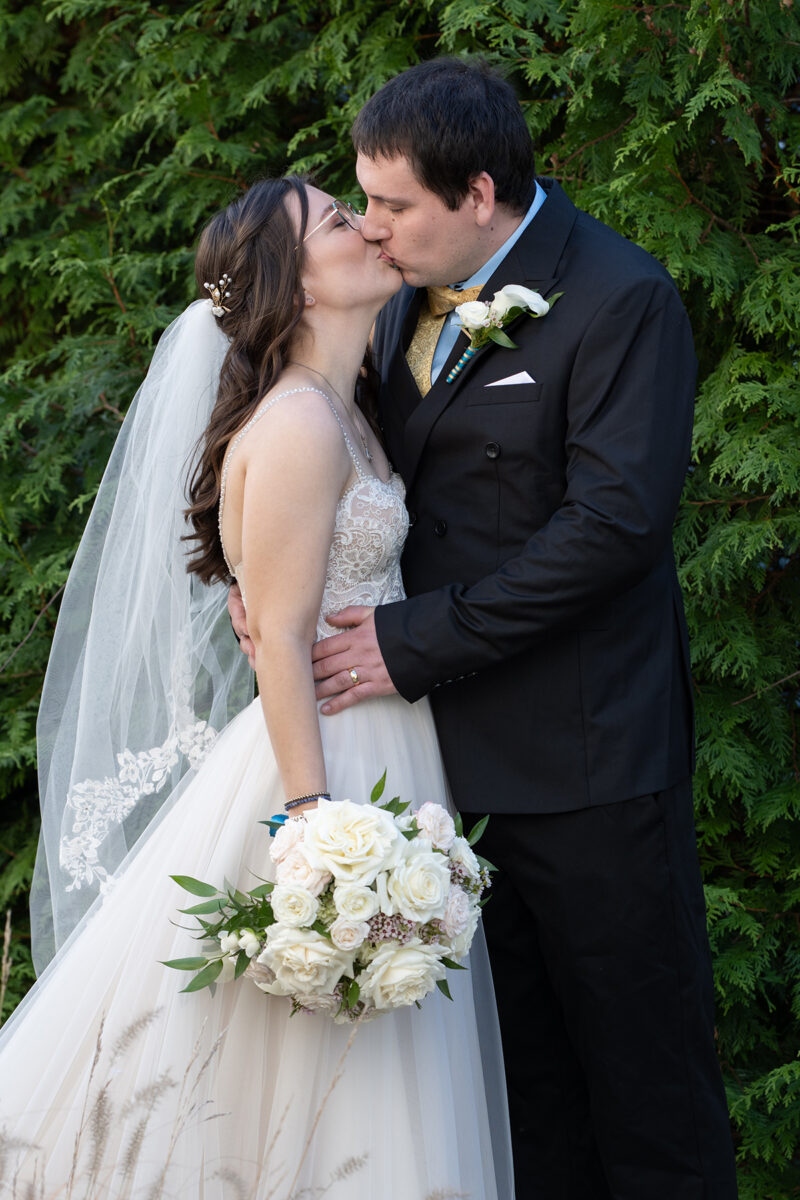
[{"x": 305, "y": 799}]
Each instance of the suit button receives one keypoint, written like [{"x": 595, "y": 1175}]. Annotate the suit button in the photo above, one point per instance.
[
  {"x": 440, "y": 528},
  {"x": 412, "y": 517},
  {"x": 492, "y": 449}
]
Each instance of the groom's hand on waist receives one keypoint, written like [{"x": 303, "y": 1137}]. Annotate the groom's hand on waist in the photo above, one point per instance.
[
  {"x": 238, "y": 617},
  {"x": 349, "y": 666}
]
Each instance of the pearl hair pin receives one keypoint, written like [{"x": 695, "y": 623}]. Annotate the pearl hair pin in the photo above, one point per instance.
[{"x": 218, "y": 293}]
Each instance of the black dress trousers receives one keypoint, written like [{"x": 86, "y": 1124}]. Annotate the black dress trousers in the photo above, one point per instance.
[{"x": 597, "y": 937}]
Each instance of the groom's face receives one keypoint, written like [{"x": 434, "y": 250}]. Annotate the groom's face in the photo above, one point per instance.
[{"x": 428, "y": 242}]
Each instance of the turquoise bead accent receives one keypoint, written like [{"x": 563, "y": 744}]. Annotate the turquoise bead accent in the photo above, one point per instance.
[{"x": 462, "y": 362}]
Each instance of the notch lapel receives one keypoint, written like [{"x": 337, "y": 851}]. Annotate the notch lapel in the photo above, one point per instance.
[{"x": 532, "y": 261}]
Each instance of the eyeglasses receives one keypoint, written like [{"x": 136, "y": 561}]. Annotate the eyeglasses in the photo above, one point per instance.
[{"x": 338, "y": 209}]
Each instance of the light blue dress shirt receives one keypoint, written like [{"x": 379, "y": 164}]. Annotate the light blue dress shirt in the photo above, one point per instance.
[{"x": 452, "y": 326}]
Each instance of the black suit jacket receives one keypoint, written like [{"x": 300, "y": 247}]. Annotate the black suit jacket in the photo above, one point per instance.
[{"x": 544, "y": 615}]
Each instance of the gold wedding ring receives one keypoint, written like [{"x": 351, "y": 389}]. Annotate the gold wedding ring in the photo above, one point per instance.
[{"x": 353, "y": 673}]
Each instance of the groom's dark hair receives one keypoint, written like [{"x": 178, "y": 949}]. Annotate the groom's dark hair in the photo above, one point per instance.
[{"x": 452, "y": 118}]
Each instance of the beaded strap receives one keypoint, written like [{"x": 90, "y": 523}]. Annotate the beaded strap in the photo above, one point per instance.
[{"x": 360, "y": 472}]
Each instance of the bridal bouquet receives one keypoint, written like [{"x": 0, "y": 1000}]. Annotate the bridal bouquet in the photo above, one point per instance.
[{"x": 370, "y": 907}]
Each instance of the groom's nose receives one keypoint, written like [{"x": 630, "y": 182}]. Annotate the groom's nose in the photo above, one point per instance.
[{"x": 374, "y": 228}]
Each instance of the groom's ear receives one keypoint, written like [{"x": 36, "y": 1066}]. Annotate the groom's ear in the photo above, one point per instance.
[{"x": 481, "y": 198}]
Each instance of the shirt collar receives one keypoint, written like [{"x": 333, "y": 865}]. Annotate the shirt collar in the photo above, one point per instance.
[{"x": 484, "y": 273}]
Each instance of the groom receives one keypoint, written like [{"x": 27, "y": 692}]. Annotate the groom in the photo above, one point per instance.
[{"x": 545, "y": 621}]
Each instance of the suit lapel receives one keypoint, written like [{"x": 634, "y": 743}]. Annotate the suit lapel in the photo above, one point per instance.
[
  {"x": 400, "y": 395},
  {"x": 532, "y": 261}
]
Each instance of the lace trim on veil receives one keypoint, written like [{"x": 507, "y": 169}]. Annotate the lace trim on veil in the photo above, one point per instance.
[{"x": 98, "y": 804}]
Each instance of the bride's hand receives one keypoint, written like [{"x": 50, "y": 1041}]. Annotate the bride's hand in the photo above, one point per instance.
[
  {"x": 349, "y": 666},
  {"x": 239, "y": 622}
]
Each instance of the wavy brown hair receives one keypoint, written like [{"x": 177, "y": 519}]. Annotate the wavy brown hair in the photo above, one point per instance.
[{"x": 253, "y": 241}]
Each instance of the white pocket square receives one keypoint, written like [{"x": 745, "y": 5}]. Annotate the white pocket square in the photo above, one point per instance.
[{"x": 510, "y": 380}]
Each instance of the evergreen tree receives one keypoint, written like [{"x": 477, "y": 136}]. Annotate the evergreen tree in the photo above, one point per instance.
[{"x": 123, "y": 127}]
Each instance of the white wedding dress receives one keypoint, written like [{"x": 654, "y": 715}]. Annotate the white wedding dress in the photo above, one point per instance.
[{"x": 115, "y": 1085}]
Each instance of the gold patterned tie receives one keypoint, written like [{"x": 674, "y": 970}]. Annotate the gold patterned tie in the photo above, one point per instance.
[{"x": 419, "y": 355}]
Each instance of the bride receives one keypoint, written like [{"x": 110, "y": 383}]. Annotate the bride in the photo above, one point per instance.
[{"x": 112, "y": 1083}]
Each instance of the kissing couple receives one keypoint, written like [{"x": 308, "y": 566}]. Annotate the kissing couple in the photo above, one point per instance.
[{"x": 454, "y": 566}]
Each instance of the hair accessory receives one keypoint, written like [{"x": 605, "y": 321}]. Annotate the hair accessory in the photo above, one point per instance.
[{"x": 218, "y": 293}]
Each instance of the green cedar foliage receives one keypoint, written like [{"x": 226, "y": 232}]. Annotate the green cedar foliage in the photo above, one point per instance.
[{"x": 123, "y": 127}]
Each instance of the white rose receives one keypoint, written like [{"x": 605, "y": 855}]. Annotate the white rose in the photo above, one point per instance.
[
  {"x": 348, "y": 935},
  {"x": 286, "y": 838},
  {"x": 355, "y": 902},
  {"x": 296, "y": 871},
  {"x": 436, "y": 824},
  {"x": 293, "y": 906},
  {"x": 303, "y": 961},
  {"x": 352, "y": 841},
  {"x": 401, "y": 975},
  {"x": 457, "y": 913},
  {"x": 473, "y": 314},
  {"x": 419, "y": 886},
  {"x": 514, "y": 295},
  {"x": 459, "y": 945},
  {"x": 462, "y": 854}
]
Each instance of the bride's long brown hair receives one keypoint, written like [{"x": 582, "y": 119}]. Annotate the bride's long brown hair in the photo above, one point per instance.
[{"x": 253, "y": 241}]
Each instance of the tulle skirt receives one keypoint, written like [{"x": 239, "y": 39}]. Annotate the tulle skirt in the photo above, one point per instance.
[{"x": 113, "y": 1084}]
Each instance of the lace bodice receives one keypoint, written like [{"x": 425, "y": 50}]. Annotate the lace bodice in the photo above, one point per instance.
[{"x": 370, "y": 528}]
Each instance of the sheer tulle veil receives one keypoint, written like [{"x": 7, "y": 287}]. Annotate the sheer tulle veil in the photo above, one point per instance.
[{"x": 144, "y": 669}]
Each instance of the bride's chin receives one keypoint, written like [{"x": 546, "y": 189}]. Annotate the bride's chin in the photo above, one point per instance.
[{"x": 394, "y": 280}]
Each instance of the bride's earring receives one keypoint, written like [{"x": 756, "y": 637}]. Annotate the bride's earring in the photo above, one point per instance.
[{"x": 310, "y": 300}]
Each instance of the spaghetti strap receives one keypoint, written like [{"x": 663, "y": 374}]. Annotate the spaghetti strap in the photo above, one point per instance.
[
  {"x": 360, "y": 472},
  {"x": 257, "y": 415}
]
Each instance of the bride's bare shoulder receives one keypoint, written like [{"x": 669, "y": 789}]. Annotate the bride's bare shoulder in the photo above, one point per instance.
[{"x": 295, "y": 433}]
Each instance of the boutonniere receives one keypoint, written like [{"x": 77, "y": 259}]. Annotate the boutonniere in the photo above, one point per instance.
[{"x": 484, "y": 322}]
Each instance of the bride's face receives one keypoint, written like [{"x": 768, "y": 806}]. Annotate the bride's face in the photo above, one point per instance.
[{"x": 340, "y": 269}]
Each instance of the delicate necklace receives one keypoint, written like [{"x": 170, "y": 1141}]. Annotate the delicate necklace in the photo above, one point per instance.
[{"x": 295, "y": 363}]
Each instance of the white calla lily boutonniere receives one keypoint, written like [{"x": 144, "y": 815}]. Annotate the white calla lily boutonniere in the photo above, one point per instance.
[{"x": 484, "y": 322}]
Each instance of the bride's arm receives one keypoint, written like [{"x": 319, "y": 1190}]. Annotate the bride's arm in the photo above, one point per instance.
[{"x": 295, "y": 467}]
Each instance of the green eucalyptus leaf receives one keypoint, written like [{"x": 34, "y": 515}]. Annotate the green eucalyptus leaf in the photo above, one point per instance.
[
  {"x": 207, "y": 906},
  {"x": 477, "y": 830},
  {"x": 206, "y": 977},
  {"x": 185, "y": 964},
  {"x": 501, "y": 338},
  {"x": 378, "y": 789},
  {"x": 263, "y": 889},
  {"x": 195, "y": 886}
]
